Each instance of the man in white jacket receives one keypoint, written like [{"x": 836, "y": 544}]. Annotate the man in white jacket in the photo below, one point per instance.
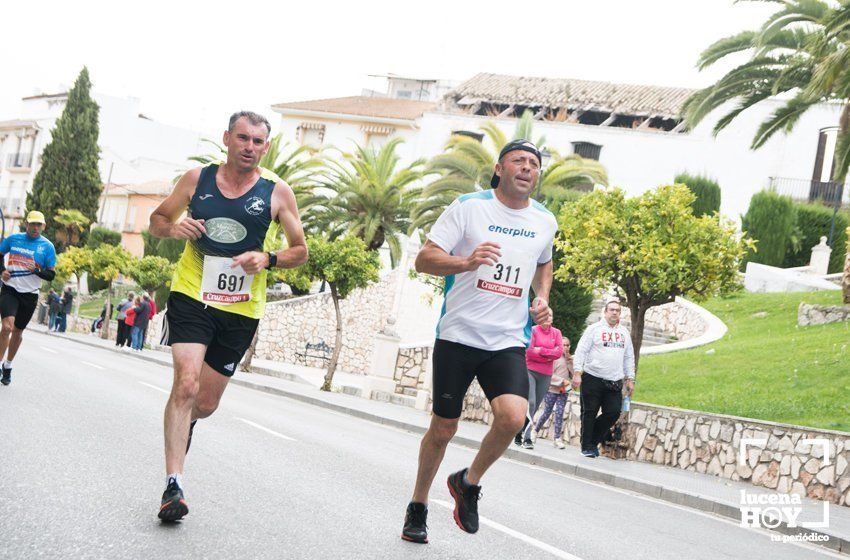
[{"x": 604, "y": 358}]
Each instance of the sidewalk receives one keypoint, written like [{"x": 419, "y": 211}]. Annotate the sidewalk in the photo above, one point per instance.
[{"x": 690, "y": 489}]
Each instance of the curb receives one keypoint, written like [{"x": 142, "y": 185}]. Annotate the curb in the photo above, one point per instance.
[{"x": 636, "y": 485}]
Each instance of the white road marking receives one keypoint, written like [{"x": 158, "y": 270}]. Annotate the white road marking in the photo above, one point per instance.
[
  {"x": 517, "y": 535},
  {"x": 263, "y": 428},
  {"x": 46, "y": 349},
  {"x": 93, "y": 365},
  {"x": 160, "y": 389}
]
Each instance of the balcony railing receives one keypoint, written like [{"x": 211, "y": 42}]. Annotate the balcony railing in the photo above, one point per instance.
[
  {"x": 19, "y": 159},
  {"x": 828, "y": 193}
]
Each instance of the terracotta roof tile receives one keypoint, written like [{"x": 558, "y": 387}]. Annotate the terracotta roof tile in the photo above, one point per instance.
[{"x": 380, "y": 107}]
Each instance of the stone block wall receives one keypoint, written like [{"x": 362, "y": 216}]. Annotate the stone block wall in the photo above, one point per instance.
[
  {"x": 710, "y": 443},
  {"x": 290, "y": 324},
  {"x": 673, "y": 319},
  {"x": 810, "y": 314}
]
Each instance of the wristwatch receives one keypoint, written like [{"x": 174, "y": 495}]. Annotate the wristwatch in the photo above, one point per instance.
[{"x": 272, "y": 260}]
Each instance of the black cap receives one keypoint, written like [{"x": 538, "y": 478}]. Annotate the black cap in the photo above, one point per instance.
[{"x": 523, "y": 145}]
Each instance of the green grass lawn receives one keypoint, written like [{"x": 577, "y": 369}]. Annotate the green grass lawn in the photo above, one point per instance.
[
  {"x": 92, "y": 308},
  {"x": 764, "y": 367}
]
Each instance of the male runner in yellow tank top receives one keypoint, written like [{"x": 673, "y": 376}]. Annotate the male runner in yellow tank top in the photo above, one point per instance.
[{"x": 218, "y": 291}]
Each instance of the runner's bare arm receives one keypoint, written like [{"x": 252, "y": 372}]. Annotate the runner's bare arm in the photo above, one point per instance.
[
  {"x": 290, "y": 220},
  {"x": 164, "y": 219},
  {"x": 542, "y": 284},
  {"x": 285, "y": 210},
  {"x": 432, "y": 259}
]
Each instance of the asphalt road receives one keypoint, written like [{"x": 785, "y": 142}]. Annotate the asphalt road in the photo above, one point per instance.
[{"x": 81, "y": 475}]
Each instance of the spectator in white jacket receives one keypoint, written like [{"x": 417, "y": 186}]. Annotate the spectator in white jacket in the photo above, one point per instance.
[{"x": 604, "y": 358}]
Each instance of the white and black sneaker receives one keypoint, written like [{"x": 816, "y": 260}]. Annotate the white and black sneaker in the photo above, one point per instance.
[{"x": 7, "y": 375}]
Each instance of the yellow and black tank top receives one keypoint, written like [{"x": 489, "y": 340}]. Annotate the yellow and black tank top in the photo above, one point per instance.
[{"x": 233, "y": 226}]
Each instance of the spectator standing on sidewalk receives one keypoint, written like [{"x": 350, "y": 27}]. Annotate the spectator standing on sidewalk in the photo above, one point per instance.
[
  {"x": 130, "y": 319},
  {"x": 545, "y": 347},
  {"x": 152, "y": 302},
  {"x": 53, "y": 304},
  {"x": 66, "y": 308},
  {"x": 604, "y": 358},
  {"x": 140, "y": 322},
  {"x": 556, "y": 397},
  {"x": 122, "y": 336}
]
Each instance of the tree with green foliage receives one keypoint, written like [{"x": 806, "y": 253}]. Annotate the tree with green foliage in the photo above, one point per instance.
[
  {"x": 814, "y": 221},
  {"x": 801, "y": 54},
  {"x": 369, "y": 194},
  {"x": 467, "y": 165},
  {"x": 75, "y": 261},
  {"x": 770, "y": 221},
  {"x": 845, "y": 281},
  {"x": 706, "y": 191},
  {"x": 70, "y": 226},
  {"x": 97, "y": 236},
  {"x": 166, "y": 247},
  {"x": 107, "y": 263},
  {"x": 151, "y": 272},
  {"x": 100, "y": 235},
  {"x": 69, "y": 169},
  {"x": 650, "y": 248},
  {"x": 345, "y": 264}
]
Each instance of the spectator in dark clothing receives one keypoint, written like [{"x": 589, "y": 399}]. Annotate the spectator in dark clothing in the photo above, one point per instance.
[
  {"x": 65, "y": 309},
  {"x": 140, "y": 323},
  {"x": 53, "y": 304},
  {"x": 152, "y": 303}
]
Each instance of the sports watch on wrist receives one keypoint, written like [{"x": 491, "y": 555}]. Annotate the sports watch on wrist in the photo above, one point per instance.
[{"x": 272, "y": 260}]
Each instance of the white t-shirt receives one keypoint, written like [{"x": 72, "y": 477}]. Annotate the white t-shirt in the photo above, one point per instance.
[{"x": 488, "y": 308}]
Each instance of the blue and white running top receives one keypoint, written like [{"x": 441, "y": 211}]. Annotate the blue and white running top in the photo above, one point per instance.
[
  {"x": 488, "y": 308},
  {"x": 20, "y": 252}
]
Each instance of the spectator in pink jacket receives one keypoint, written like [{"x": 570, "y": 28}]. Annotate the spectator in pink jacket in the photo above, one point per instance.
[{"x": 545, "y": 347}]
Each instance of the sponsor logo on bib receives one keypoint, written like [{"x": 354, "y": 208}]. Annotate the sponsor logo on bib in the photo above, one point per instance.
[{"x": 225, "y": 230}]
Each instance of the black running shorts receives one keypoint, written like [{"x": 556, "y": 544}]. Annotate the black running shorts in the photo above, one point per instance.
[
  {"x": 227, "y": 336},
  {"x": 15, "y": 304},
  {"x": 499, "y": 372}
]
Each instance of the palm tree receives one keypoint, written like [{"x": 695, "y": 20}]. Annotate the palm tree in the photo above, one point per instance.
[
  {"x": 468, "y": 164},
  {"x": 70, "y": 227},
  {"x": 801, "y": 51},
  {"x": 368, "y": 194}
]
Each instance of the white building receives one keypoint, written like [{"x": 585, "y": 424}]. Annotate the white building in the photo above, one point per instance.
[
  {"x": 635, "y": 131},
  {"x": 134, "y": 149}
]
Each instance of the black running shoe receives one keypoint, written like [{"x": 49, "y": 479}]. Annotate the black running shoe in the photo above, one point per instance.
[
  {"x": 415, "y": 528},
  {"x": 527, "y": 444},
  {"x": 7, "y": 376},
  {"x": 466, "y": 498},
  {"x": 173, "y": 506},
  {"x": 518, "y": 439},
  {"x": 191, "y": 430}
]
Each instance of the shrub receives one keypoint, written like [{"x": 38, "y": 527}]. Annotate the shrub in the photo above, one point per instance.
[
  {"x": 770, "y": 220},
  {"x": 813, "y": 222},
  {"x": 705, "y": 189}
]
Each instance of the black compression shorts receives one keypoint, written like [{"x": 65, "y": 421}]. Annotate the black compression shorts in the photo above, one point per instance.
[
  {"x": 499, "y": 372},
  {"x": 227, "y": 336},
  {"x": 15, "y": 304}
]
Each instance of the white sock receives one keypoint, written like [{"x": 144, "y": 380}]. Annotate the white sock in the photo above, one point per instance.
[
  {"x": 7, "y": 364},
  {"x": 178, "y": 477}
]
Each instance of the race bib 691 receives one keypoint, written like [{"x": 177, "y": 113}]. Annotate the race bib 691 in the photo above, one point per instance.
[{"x": 224, "y": 284}]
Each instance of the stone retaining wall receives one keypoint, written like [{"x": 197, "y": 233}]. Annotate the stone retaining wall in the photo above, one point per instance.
[
  {"x": 290, "y": 324},
  {"x": 810, "y": 314},
  {"x": 673, "y": 319},
  {"x": 709, "y": 443}
]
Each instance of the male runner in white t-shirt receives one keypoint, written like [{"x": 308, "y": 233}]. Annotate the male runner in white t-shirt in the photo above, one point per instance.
[{"x": 492, "y": 246}]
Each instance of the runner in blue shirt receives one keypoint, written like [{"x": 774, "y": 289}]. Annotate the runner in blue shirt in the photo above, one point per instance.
[{"x": 25, "y": 260}]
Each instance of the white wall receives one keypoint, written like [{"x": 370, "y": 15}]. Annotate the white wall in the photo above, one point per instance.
[{"x": 638, "y": 160}]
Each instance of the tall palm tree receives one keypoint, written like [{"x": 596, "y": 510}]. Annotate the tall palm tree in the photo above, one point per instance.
[
  {"x": 467, "y": 166},
  {"x": 802, "y": 51},
  {"x": 368, "y": 194}
]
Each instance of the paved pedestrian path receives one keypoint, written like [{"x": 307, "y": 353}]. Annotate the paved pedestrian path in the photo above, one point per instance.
[{"x": 690, "y": 489}]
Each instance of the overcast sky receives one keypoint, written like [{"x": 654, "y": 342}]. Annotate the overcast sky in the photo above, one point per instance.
[{"x": 193, "y": 63}]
